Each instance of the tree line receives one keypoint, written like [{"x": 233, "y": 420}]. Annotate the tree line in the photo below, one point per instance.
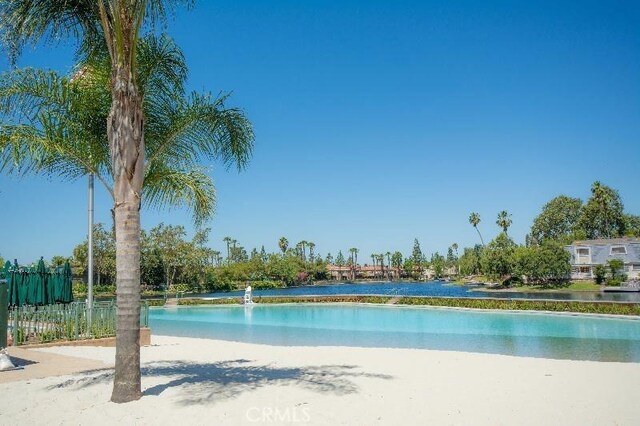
[
  {"x": 170, "y": 261},
  {"x": 543, "y": 259}
]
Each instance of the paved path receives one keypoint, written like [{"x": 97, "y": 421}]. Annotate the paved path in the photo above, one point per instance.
[{"x": 38, "y": 364}]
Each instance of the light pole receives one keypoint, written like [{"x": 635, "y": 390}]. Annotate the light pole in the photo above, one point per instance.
[{"x": 90, "y": 258}]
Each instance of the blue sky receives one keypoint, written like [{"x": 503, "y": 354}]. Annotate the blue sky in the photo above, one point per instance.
[{"x": 377, "y": 122}]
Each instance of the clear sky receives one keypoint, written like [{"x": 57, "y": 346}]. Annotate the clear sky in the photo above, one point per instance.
[{"x": 380, "y": 121}]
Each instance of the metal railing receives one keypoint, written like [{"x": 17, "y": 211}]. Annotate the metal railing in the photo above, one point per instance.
[{"x": 42, "y": 324}]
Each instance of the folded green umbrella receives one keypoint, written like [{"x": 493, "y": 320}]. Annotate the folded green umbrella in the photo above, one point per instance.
[
  {"x": 21, "y": 284},
  {"x": 7, "y": 276},
  {"x": 67, "y": 277},
  {"x": 40, "y": 284}
]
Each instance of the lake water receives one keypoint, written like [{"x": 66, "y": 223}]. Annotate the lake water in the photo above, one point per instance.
[
  {"x": 432, "y": 288},
  {"x": 521, "y": 334}
]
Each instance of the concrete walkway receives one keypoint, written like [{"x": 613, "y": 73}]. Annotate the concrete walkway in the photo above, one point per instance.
[{"x": 36, "y": 365}]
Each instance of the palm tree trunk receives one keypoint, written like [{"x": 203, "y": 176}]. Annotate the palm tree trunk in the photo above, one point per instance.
[
  {"x": 480, "y": 235},
  {"x": 126, "y": 144}
]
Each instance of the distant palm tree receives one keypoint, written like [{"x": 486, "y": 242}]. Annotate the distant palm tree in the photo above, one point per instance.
[
  {"x": 354, "y": 261},
  {"x": 228, "y": 241},
  {"x": 474, "y": 219},
  {"x": 283, "y": 243},
  {"x": 312, "y": 246},
  {"x": 301, "y": 246},
  {"x": 504, "y": 220},
  {"x": 380, "y": 258},
  {"x": 388, "y": 254}
]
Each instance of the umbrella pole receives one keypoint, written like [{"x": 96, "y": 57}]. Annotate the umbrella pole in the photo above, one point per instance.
[{"x": 90, "y": 259}]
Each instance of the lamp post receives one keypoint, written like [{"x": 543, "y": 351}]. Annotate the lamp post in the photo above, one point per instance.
[{"x": 90, "y": 258}]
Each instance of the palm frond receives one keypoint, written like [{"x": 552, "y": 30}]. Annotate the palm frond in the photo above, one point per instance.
[
  {"x": 162, "y": 68},
  {"x": 167, "y": 187},
  {"x": 52, "y": 125},
  {"x": 24, "y": 93},
  {"x": 200, "y": 127},
  {"x": 28, "y": 22}
]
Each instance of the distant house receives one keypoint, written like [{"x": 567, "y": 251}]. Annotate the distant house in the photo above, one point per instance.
[
  {"x": 589, "y": 253},
  {"x": 343, "y": 273}
]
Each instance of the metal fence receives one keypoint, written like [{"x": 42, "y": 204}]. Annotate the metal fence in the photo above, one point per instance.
[{"x": 42, "y": 324}]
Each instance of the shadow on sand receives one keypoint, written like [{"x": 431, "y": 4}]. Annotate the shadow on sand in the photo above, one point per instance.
[{"x": 200, "y": 383}]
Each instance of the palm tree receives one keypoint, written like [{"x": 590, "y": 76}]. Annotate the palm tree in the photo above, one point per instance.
[
  {"x": 312, "y": 246},
  {"x": 215, "y": 254},
  {"x": 388, "y": 254},
  {"x": 380, "y": 258},
  {"x": 128, "y": 144},
  {"x": 474, "y": 219},
  {"x": 283, "y": 243},
  {"x": 504, "y": 220},
  {"x": 303, "y": 247},
  {"x": 354, "y": 261},
  {"x": 228, "y": 241}
]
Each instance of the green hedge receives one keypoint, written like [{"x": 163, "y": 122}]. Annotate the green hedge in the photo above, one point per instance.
[
  {"x": 610, "y": 308},
  {"x": 528, "y": 305}
]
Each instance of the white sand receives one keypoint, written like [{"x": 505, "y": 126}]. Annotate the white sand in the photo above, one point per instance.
[{"x": 197, "y": 381}]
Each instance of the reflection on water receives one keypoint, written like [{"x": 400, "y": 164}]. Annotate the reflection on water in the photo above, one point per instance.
[
  {"x": 433, "y": 288},
  {"x": 521, "y": 334}
]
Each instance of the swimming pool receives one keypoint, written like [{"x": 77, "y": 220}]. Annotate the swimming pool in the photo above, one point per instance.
[{"x": 511, "y": 333}]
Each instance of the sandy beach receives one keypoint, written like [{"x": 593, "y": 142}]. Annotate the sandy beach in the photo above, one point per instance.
[{"x": 199, "y": 381}]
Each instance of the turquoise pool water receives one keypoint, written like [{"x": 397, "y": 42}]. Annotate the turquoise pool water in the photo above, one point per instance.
[{"x": 521, "y": 334}]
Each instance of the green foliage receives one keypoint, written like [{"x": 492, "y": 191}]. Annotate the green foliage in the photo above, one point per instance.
[
  {"x": 56, "y": 125},
  {"x": 409, "y": 268},
  {"x": 340, "y": 259},
  {"x": 278, "y": 270},
  {"x": 632, "y": 225},
  {"x": 104, "y": 256},
  {"x": 497, "y": 257},
  {"x": 437, "y": 264},
  {"x": 558, "y": 221},
  {"x": 542, "y": 264},
  {"x": 600, "y": 272},
  {"x": 56, "y": 261},
  {"x": 396, "y": 259},
  {"x": 470, "y": 261},
  {"x": 283, "y": 243},
  {"x": 528, "y": 305},
  {"x": 617, "y": 277},
  {"x": 615, "y": 265},
  {"x": 603, "y": 214},
  {"x": 504, "y": 221},
  {"x": 416, "y": 254},
  {"x": 474, "y": 220}
]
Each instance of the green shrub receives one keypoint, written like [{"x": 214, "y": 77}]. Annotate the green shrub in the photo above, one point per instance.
[
  {"x": 614, "y": 282},
  {"x": 600, "y": 272}
]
